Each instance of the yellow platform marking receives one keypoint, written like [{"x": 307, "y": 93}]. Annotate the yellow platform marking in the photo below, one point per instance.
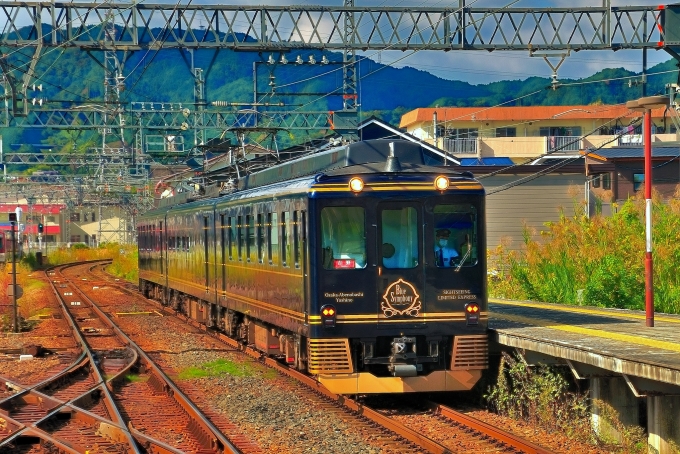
[
  {"x": 660, "y": 344},
  {"x": 581, "y": 310}
]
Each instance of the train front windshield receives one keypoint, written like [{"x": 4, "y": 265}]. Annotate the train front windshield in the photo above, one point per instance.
[{"x": 451, "y": 239}]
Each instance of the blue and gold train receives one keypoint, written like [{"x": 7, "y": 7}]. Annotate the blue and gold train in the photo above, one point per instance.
[{"x": 363, "y": 265}]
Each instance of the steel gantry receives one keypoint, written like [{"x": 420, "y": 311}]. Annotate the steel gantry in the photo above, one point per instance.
[{"x": 144, "y": 25}]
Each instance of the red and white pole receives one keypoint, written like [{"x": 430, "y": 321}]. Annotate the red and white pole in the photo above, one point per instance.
[
  {"x": 649, "y": 265},
  {"x": 646, "y": 105}
]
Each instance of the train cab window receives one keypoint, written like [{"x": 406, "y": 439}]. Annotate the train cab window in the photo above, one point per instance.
[
  {"x": 343, "y": 238},
  {"x": 240, "y": 236},
  {"x": 399, "y": 233},
  {"x": 455, "y": 235},
  {"x": 284, "y": 238},
  {"x": 260, "y": 238},
  {"x": 273, "y": 237}
]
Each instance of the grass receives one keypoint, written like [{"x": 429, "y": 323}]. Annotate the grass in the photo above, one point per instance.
[{"x": 221, "y": 367}]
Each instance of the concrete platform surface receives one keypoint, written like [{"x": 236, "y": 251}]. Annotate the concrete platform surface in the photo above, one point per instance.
[{"x": 613, "y": 340}]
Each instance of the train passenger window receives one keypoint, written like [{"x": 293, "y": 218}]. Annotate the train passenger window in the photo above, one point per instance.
[
  {"x": 240, "y": 236},
  {"x": 260, "y": 238},
  {"x": 296, "y": 239},
  {"x": 343, "y": 238},
  {"x": 400, "y": 232},
  {"x": 284, "y": 238},
  {"x": 250, "y": 236},
  {"x": 232, "y": 237},
  {"x": 273, "y": 251},
  {"x": 455, "y": 234},
  {"x": 206, "y": 257},
  {"x": 223, "y": 247}
]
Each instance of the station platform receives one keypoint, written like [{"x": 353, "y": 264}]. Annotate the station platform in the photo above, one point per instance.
[{"x": 626, "y": 362}]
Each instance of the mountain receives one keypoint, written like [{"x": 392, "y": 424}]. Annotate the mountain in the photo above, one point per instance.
[{"x": 72, "y": 77}]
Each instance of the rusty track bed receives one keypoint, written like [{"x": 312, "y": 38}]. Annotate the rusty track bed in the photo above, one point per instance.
[
  {"x": 513, "y": 442},
  {"x": 76, "y": 411}
]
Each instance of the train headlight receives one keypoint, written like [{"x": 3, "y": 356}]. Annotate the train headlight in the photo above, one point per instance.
[
  {"x": 441, "y": 183},
  {"x": 356, "y": 184},
  {"x": 472, "y": 313},
  {"x": 328, "y": 315}
]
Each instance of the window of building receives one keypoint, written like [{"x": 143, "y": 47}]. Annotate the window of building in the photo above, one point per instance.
[
  {"x": 462, "y": 133},
  {"x": 75, "y": 238},
  {"x": 560, "y": 131},
  {"x": 606, "y": 181},
  {"x": 638, "y": 181},
  {"x": 75, "y": 217},
  {"x": 506, "y": 132}
]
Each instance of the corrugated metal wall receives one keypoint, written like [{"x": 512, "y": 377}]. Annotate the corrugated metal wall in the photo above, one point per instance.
[{"x": 532, "y": 204}]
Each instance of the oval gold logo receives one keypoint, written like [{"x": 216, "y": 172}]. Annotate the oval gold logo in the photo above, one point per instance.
[{"x": 401, "y": 298}]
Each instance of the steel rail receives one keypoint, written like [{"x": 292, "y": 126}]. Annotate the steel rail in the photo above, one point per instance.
[
  {"x": 480, "y": 426},
  {"x": 372, "y": 415},
  {"x": 506, "y": 438},
  {"x": 100, "y": 383},
  {"x": 219, "y": 440}
]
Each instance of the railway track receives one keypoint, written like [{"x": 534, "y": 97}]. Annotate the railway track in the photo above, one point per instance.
[
  {"x": 390, "y": 433},
  {"x": 90, "y": 406}
]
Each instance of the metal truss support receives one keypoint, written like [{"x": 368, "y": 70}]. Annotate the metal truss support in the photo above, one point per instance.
[{"x": 281, "y": 28}]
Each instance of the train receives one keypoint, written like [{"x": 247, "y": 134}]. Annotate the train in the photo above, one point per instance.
[{"x": 363, "y": 265}]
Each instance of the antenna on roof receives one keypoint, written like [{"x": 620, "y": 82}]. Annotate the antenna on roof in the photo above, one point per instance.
[{"x": 392, "y": 164}]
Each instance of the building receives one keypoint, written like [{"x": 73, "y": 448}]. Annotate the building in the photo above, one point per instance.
[
  {"x": 526, "y": 132},
  {"x": 615, "y": 174}
]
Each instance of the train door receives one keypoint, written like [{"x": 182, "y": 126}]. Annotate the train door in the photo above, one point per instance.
[{"x": 401, "y": 272}]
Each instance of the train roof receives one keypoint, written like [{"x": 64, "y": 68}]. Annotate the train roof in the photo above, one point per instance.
[{"x": 410, "y": 154}]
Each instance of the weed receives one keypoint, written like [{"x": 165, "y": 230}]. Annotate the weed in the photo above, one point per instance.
[
  {"x": 541, "y": 397},
  {"x": 218, "y": 368}
]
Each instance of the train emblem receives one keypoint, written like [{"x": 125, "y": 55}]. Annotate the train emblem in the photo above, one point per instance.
[{"x": 401, "y": 298}]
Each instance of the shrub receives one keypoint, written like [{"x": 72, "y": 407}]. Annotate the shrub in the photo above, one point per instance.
[{"x": 594, "y": 261}]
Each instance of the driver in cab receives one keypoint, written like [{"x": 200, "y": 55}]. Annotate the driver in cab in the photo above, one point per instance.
[{"x": 445, "y": 255}]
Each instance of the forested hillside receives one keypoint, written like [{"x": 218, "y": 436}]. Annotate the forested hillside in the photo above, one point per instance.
[{"x": 70, "y": 74}]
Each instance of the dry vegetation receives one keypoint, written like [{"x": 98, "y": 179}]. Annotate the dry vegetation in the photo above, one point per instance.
[{"x": 597, "y": 261}]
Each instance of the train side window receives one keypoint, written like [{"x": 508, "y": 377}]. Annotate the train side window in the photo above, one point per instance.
[
  {"x": 240, "y": 235},
  {"x": 232, "y": 237},
  {"x": 296, "y": 238},
  {"x": 250, "y": 237},
  {"x": 260, "y": 238},
  {"x": 206, "y": 258},
  {"x": 284, "y": 238},
  {"x": 223, "y": 249},
  {"x": 343, "y": 238},
  {"x": 274, "y": 239}
]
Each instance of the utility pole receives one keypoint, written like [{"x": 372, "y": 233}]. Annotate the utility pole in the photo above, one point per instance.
[
  {"x": 13, "y": 222},
  {"x": 645, "y": 105}
]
